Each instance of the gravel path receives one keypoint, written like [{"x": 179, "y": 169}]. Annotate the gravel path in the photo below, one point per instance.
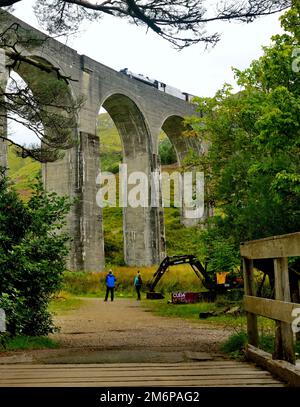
[
  {"x": 124, "y": 331},
  {"x": 125, "y": 324}
]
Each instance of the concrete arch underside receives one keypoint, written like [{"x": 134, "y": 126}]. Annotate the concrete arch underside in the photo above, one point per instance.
[
  {"x": 142, "y": 226},
  {"x": 174, "y": 127}
]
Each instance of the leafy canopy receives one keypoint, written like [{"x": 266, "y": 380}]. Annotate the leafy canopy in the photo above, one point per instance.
[{"x": 253, "y": 164}]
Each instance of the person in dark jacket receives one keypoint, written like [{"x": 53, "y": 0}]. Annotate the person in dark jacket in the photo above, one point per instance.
[
  {"x": 138, "y": 284},
  {"x": 110, "y": 281}
]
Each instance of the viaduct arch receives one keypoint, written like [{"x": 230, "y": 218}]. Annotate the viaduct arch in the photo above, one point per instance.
[{"x": 139, "y": 112}]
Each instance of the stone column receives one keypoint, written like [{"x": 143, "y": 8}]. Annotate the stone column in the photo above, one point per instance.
[
  {"x": 144, "y": 243},
  {"x": 75, "y": 177},
  {"x": 62, "y": 177},
  {"x": 91, "y": 233}
]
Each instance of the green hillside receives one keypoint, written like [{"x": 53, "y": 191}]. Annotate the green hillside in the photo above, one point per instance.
[
  {"x": 22, "y": 172},
  {"x": 111, "y": 150},
  {"x": 179, "y": 239}
]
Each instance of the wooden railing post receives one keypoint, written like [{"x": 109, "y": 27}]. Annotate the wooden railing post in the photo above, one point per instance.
[
  {"x": 250, "y": 290},
  {"x": 284, "y": 341}
]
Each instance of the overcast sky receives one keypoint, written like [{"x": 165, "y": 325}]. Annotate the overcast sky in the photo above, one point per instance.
[{"x": 118, "y": 44}]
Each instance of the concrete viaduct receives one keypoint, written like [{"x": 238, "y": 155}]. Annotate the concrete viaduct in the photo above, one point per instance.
[{"x": 139, "y": 113}]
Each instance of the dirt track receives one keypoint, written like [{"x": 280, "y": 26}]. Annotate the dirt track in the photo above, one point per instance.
[
  {"x": 125, "y": 324},
  {"x": 123, "y": 331}
]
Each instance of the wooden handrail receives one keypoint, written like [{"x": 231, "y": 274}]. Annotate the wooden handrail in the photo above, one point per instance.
[{"x": 278, "y": 248}]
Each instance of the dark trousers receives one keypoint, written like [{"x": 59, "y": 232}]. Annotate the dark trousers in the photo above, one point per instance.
[
  {"x": 138, "y": 291},
  {"x": 111, "y": 290}
]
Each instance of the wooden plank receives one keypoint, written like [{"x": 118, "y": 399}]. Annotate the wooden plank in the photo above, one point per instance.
[
  {"x": 129, "y": 371},
  {"x": 63, "y": 375},
  {"x": 273, "y": 309},
  {"x": 153, "y": 382},
  {"x": 284, "y": 338},
  {"x": 189, "y": 383},
  {"x": 215, "y": 374},
  {"x": 112, "y": 367},
  {"x": 252, "y": 329},
  {"x": 126, "y": 367},
  {"x": 280, "y": 368},
  {"x": 146, "y": 375},
  {"x": 145, "y": 380},
  {"x": 272, "y": 247}
]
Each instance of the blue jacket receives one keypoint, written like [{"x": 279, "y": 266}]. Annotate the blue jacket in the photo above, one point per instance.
[
  {"x": 110, "y": 280},
  {"x": 137, "y": 281}
]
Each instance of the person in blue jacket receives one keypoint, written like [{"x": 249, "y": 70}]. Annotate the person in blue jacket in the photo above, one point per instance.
[
  {"x": 138, "y": 284},
  {"x": 110, "y": 281}
]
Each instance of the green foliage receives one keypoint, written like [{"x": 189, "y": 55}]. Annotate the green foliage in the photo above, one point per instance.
[
  {"x": 253, "y": 164},
  {"x": 166, "y": 152},
  {"x": 64, "y": 303},
  {"x": 235, "y": 344},
  {"x": 32, "y": 257},
  {"x": 219, "y": 252},
  {"x": 110, "y": 161},
  {"x": 179, "y": 239},
  {"x": 22, "y": 172},
  {"x": 29, "y": 343},
  {"x": 111, "y": 150},
  {"x": 184, "y": 311},
  {"x": 16, "y": 313}
]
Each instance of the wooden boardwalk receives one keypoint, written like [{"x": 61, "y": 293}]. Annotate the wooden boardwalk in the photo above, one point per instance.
[{"x": 199, "y": 374}]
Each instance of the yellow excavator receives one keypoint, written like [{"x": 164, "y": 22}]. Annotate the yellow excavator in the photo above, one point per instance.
[{"x": 221, "y": 282}]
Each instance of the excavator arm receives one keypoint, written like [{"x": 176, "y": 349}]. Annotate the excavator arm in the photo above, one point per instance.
[{"x": 196, "y": 265}]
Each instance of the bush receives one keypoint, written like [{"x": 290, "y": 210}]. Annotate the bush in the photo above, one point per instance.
[
  {"x": 235, "y": 344},
  {"x": 13, "y": 305},
  {"x": 32, "y": 257}
]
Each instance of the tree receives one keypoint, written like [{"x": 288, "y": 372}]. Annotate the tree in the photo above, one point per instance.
[
  {"x": 181, "y": 22},
  {"x": 253, "y": 164},
  {"x": 43, "y": 104},
  {"x": 32, "y": 257}
]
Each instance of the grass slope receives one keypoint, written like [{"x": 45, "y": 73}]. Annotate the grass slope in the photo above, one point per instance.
[{"x": 22, "y": 172}]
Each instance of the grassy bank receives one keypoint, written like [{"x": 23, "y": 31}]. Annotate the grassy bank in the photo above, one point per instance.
[
  {"x": 236, "y": 344},
  {"x": 64, "y": 303},
  {"x": 28, "y": 343},
  {"x": 177, "y": 278}
]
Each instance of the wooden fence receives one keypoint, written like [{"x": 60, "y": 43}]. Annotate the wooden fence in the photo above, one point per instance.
[{"x": 279, "y": 249}]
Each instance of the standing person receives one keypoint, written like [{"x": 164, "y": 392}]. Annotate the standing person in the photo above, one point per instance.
[
  {"x": 138, "y": 284},
  {"x": 110, "y": 281}
]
